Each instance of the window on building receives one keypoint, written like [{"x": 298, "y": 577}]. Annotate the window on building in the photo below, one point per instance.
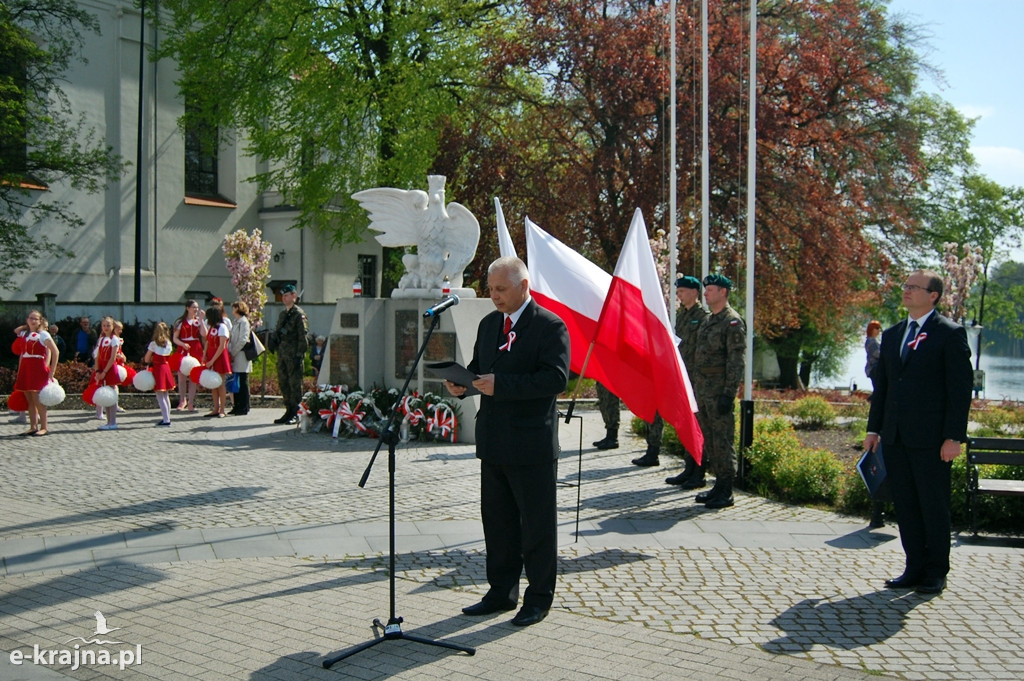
[
  {"x": 200, "y": 156},
  {"x": 367, "y": 272}
]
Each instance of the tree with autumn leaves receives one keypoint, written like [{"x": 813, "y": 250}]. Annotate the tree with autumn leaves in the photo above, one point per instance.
[{"x": 840, "y": 134}]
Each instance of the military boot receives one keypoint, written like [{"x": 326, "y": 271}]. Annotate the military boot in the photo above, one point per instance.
[
  {"x": 721, "y": 499},
  {"x": 648, "y": 459},
  {"x": 702, "y": 497},
  {"x": 610, "y": 441},
  {"x": 682, "y": 477},
  {"x": 696, "y": 479},
  {"x": 287, "y": 418}
]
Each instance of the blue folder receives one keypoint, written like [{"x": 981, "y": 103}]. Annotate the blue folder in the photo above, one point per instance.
[{"x": 872, "y": 470}]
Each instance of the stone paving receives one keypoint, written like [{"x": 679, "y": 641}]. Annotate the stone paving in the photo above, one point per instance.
[{"x": 233, "y": 548}]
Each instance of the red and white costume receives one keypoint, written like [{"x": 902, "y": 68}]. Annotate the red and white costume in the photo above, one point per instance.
[
  {"x": 33, "y": 370},
  {"x": 189, "y": 332},
  {"x": 107, "y": 347},
  {"x": 161, "y": 370},
  {"x": 222, "y": 365}
]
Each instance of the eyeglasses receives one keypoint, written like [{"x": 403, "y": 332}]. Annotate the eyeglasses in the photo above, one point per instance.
[{"x": 915, "y": 287}]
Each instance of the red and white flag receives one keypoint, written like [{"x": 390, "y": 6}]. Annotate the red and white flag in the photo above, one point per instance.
[
  {"x": 567, "y": 284},
  {"x": 636, "y": 348}
]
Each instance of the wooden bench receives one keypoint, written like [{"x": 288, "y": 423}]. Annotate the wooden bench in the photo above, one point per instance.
[{"x": 991, "y": 450}]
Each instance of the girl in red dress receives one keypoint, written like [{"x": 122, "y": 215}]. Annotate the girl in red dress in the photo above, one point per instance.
[
  {"x": 160, "y": 348},
  {"x": 217, "y": 357},
  {"x": 35, "y": 367},
  {"x": 107, "y": 348},
  {"x": 188, "y": 337}
]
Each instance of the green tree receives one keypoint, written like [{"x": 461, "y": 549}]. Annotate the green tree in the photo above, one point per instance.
[
  {"x": 334, "y": 95},
  {"x": 42, "y": 142},
  {"x": 1005, "y": 326}
]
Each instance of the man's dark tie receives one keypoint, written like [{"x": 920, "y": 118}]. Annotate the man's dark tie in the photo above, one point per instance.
[
  {"x": 508, "y": 325},
  {"x": 911, "y": 335}
]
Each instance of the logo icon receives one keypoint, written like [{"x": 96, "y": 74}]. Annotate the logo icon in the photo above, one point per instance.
[{"x": 101, "y": 630}]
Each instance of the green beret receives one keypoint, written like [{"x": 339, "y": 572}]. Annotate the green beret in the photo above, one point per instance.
[
  {"x": 688, "y": 282},
  {"x": 718, "y": 280}
]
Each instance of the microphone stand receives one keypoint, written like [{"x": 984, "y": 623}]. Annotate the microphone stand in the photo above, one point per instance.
[{"x": 393, "y": 629}]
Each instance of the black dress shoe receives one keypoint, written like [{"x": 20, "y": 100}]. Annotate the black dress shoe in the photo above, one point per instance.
[
  {"x": 487, "y": 608},
  {"x": 529, "y": 614},
  {"x": 931, "y": 585},
  {"x": 904, "y": 581}
]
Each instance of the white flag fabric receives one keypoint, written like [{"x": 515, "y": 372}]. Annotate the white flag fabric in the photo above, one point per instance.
[{"x": 505, "y": 246}]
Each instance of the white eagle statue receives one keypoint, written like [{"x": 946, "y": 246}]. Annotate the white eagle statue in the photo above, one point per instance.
[{"x": 445, "y": 237}]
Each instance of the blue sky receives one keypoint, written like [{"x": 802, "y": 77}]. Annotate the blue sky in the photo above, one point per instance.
[{"x": 978, "y": 44}]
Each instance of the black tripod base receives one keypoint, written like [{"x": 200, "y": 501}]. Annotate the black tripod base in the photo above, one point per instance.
[{"x": 393, "y": 630}]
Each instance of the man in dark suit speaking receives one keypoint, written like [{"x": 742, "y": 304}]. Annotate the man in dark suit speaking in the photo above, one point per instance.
[
  {"x": 521, "y": 359},
  {"x": 919, "y": 413}
]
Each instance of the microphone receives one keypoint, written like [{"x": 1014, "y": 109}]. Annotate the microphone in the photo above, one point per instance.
[{"x": 442, "y": 306}]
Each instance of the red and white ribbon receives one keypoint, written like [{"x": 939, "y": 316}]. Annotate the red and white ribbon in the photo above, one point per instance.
[
  {"x": 917, "y": 341},
  {"x": 351, "y": 417},
  {"x": 443, "y": 421},
  {"x": 508, "y": 344},
  {"x": 327, "y": 414}
]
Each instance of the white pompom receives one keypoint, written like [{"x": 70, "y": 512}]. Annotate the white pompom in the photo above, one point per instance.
[
  {"x": 188, "y": 364},
  {"x": 122, "y": 373},
  {"x": 105, "y": 396},
  {"x": 52, "y": 394},
  {"x": 210, "y": 379},
  {"x": 144, "y": 381}
]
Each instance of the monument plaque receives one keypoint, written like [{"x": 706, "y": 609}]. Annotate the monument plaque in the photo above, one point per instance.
[{"x": 344, "y": 358}]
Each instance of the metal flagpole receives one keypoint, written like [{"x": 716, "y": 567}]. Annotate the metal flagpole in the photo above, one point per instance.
[{"x": 705, "y": 153}]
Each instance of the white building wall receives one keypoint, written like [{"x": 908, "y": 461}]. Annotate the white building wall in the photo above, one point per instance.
[{"x": 180, "y": 242}]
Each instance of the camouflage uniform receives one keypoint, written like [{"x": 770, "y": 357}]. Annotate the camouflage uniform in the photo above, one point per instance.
[
  {"x": 608, "y": 403},
  {"x": 687, "y": 324},
  {"x": 717, "y": 371},
  {"x": 292, "y": 341}
]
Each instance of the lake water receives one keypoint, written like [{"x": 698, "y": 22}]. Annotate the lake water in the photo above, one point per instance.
[{"x": 1004, "y": 376}]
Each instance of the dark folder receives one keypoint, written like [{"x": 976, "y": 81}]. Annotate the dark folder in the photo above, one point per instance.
[
  {"x": 456, "y": 373},
  {"x": 872, "y": 470}
]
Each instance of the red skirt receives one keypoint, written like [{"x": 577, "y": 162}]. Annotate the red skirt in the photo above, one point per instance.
[
  {"x": 162, "y": 374},
  {"x": 33, "y": 374},
  {"x": 222, "y": 365}
]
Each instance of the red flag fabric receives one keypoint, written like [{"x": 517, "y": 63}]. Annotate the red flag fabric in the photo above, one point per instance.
[{"x": 636, "y": 347}]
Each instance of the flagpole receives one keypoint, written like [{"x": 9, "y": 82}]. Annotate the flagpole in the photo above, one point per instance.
[
  {"x": 576, "y": 390},
  {"x": 673, "y": 240},
  {"x": 748, "y": 377},
  {"x": 705, "y": 153}
]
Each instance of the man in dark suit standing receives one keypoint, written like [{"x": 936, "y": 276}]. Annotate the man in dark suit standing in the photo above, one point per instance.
[
  {"x": 521, "y": 359},
  {"x": 919, "y": 414}
]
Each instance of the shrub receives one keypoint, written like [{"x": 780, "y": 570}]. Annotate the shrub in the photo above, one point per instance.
[
  {"x": 812, "y": 412},
  {"x": 773, "y": 440},
  {"x": 808, "y": 475}
]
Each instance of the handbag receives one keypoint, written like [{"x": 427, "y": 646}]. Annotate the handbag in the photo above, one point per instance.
[
  {"x": 232, "y": 383},
  {"x": 254, "y": 348}
]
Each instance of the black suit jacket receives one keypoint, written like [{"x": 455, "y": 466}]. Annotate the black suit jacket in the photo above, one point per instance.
[
  {"x": 518, "y": 425},
  {"x": 927, "y": 399}
]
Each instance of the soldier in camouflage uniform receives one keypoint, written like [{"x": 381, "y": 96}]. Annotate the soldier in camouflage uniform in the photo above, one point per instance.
[
  {"x": 688, "y": 319},
  {"x": 718, "y": 365},
  {"x": 608, "y": 404},
  {"x": 291, "y": 340}
]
